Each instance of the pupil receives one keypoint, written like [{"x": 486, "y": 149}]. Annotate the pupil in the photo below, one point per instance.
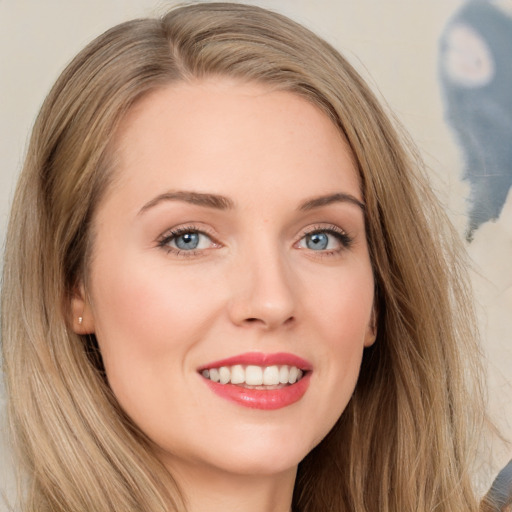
[
  {"x": 317, "y": 241},
  {"x": 187, "y": 241}
]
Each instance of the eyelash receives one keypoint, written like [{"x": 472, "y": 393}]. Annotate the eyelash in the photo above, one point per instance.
[
  {"x": 341, "y": 236},
  {"x": 164, "y": 241}
]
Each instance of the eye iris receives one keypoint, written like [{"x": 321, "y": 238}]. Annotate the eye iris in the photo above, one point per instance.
[
  {"x": 187, "y": 241},
  {"x": 317, "y": 241}
]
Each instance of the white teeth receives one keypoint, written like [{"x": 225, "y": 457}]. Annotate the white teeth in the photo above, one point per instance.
[
  {"x": 252, "y": 375},
  {"x": 224, "y": 374},
  {"x": 271, "y": 376},
  {"x": 214, "y": 375},
  {"x": 237, "y": 374},
  {"x": 284, "y": 373},
  {"x": 294, "y": 371}
]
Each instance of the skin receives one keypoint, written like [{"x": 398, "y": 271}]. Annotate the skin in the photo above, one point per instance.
[{"x": 253, "y": 285}]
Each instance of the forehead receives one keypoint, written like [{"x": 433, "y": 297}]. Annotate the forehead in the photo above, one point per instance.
[{"x": 218, "y": 134}]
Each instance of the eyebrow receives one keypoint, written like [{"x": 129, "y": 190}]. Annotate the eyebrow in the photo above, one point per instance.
[
  {"x": 219, "y": 202},
  {"x": 197, "y": 198},
  {"x": 340, "y": 197}
]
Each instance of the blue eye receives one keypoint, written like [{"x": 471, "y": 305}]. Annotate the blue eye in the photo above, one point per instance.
[
  {"x": 326, "y": 240},
  {"x": 186, "y": 240},
  {"x": 317, "y": 241}
]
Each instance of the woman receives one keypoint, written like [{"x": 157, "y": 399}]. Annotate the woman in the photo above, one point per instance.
[{"x": 226, "y": 286}]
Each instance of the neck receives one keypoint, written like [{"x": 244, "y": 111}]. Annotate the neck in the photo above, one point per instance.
[{"x": 218, "y": 491}]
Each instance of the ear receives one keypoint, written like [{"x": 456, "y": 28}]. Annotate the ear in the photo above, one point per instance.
[
  {"x": 82, "y": 319},
  {"x": 371, "y": 333}
]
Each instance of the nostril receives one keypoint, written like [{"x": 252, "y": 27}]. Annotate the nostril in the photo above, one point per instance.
[{"x": 253, "y": 320}]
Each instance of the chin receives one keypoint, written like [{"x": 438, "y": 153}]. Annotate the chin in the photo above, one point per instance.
[
  {"x": 271, "y": 462},
  {"x": 261, "y": 464},
  {"x": 257, "y": 452}
]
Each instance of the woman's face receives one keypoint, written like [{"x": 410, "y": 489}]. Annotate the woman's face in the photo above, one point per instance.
[{"x": 231, "y": 246}]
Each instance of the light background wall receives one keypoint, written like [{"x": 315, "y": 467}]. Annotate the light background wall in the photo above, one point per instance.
[{"x": 393, "y": 43}]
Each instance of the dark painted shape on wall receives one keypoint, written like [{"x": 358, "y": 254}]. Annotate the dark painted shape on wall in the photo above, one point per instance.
[{"x": 476, "y": 78}]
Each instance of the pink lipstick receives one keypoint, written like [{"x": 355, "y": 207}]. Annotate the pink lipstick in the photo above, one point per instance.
[{"x": 257, "y": 380}]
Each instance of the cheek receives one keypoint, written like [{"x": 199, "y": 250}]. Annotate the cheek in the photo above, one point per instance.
[
  {"x": 148, "y": 323},
  {"x": 343, "y": 324},
  {"x": 146, "y": 320},
  {"x": 343, "y": 308}
]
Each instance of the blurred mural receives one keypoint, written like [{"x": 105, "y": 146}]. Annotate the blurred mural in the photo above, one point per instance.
[
  {"x": 475, "y": 70},
  {"x": 476, "y": 78},
  {"x": 499, "y": 497}
]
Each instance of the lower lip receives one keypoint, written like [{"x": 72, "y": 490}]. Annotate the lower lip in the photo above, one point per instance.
[{"x": 270, "y": 399}]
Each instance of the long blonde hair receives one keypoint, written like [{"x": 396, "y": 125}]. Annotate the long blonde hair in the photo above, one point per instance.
[{"x": 405, "y": 440}]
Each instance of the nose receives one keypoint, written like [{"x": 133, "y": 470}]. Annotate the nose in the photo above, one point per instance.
[{"x": 263, "y": 294}]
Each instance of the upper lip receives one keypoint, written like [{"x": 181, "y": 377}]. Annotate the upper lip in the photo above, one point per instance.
[{"x": 261, "y": 359}]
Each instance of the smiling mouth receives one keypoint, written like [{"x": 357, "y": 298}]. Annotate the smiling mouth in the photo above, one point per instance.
[
  {"x": 259, "y": 381},
  {"x": 255, "y": 377}
]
